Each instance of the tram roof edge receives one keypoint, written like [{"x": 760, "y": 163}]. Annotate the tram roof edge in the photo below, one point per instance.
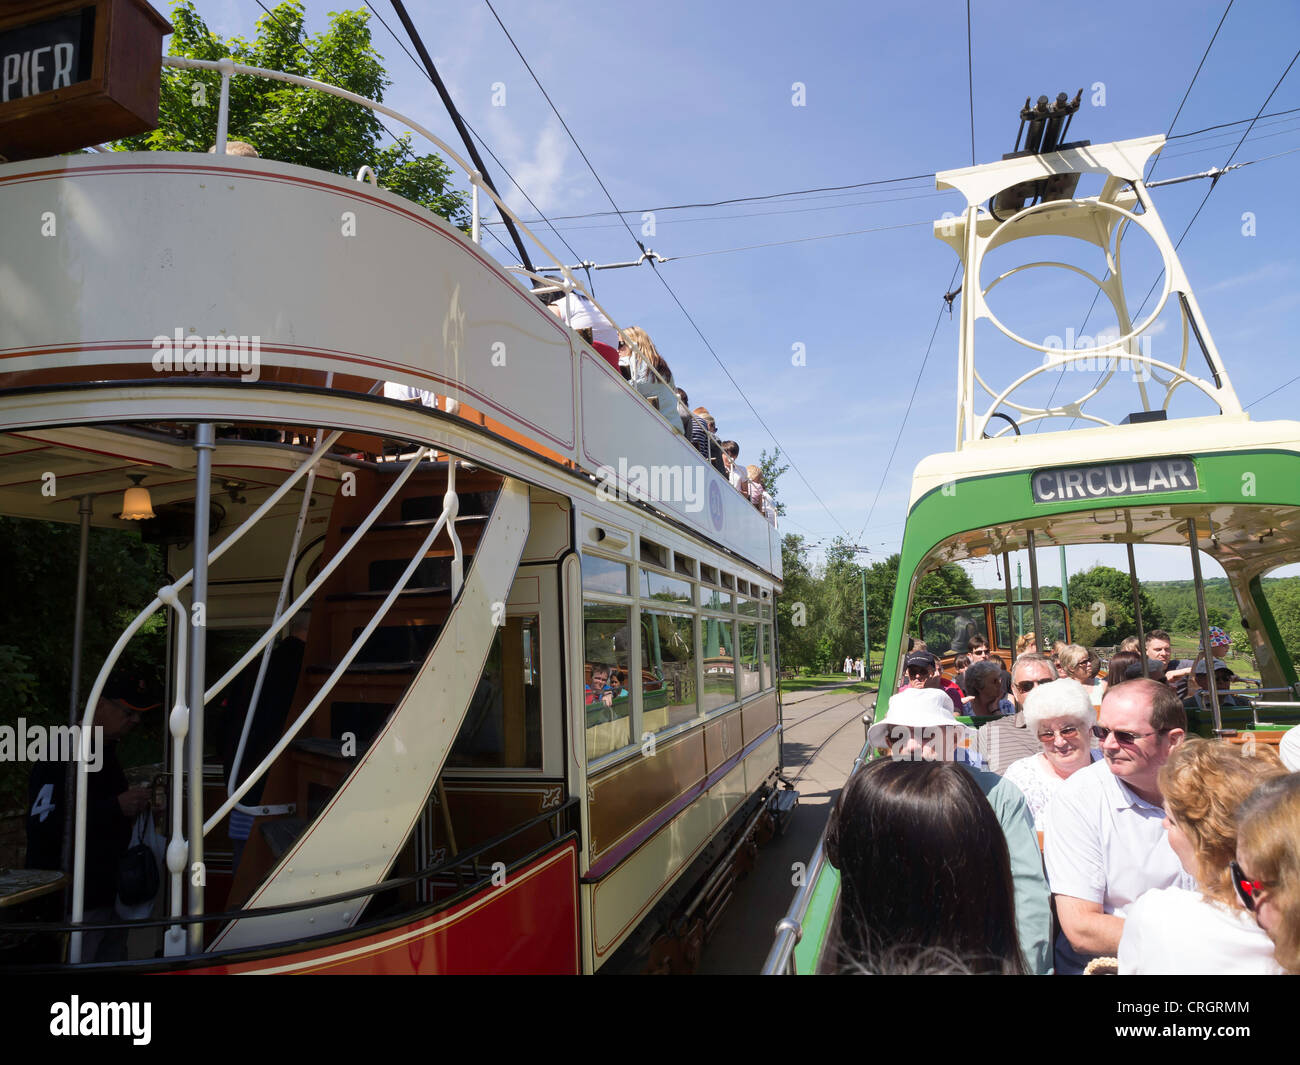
[{"x": 1214, "y": 434}]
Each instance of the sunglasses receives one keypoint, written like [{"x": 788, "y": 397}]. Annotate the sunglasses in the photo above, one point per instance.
[
  {"x": 981, "y": 651},
  {"x": 1122, "y": 735},
  {"x": 1067, "y": 733},
  {"x": 916, "y": 672},
  {"x": 1248, "y": 890},
  {"x": 1026, "y": 686}
]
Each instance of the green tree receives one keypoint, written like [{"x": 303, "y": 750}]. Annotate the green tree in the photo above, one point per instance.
[
  {"x": 796, "y": 609},
  {"x": 289, "y": 123},
  {"x": 772, "y": 468},
  {"x": 1105, "y": 594}
]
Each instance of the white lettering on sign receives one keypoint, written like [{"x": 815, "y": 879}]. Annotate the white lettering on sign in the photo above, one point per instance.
[
  {"x": 36, "y": 70},
  {"x": 1118, "y": 479}
]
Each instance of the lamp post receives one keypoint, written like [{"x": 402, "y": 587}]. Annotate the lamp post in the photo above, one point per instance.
[{"x": 866, "y": 643}]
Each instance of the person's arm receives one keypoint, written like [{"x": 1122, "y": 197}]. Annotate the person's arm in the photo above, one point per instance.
[
  {"x": 1089, "y": 930},
  {"x": 1032, "y": 900}
]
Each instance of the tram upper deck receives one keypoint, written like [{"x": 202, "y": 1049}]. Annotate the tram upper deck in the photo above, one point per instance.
[{"x": 139, "y": 286}]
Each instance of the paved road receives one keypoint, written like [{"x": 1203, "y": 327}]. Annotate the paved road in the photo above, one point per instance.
[{"x": 823, "y": 735}]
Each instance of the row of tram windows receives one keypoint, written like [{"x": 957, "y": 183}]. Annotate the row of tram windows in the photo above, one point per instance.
[{"x": 700, "y": 645}]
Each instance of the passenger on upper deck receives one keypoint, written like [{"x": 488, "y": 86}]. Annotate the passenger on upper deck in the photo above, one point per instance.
[
  {"x": 1080, "y": 664},
  {"x": 754, "y": 485},
  {"x": 643, "y": 359},
  {"x": 691, "y": 425},
  {"x": 1027, "y": 644},
  {"x": 1118, "y": 666},
  {"x": 924, "y": 870},
  {"x": 734, "y": 471},
  {"x": 920, "y": 725},
  {"x": 1176, "y": 931},
  {"x": 1060, "y": 714},
  {"x": 1104, "y": 839},
  {"x": 1266, "y": 873},
  {"x": 984, "y": 682},
  {"x": 584, "y": 317},
  {"x": 1007, "y": 739},
  {"x": 921, "y": 670},
  {"x": 1223, "y": 678}
]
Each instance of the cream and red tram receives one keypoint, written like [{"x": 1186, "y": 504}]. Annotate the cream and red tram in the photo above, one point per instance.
[{"x": 450, "y": 791}]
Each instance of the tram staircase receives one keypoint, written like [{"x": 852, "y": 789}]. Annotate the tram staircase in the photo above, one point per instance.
[{"x": 360, "y": 774}]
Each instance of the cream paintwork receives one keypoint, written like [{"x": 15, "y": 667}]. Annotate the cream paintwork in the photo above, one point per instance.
[
  {"x": 1098, "y": 220},
  {"x": 357, "y": 837},
  {"x": 620, "y": 900},
  {"x": 1183, "y": 436},
  {"x": 215, "y": 262}
]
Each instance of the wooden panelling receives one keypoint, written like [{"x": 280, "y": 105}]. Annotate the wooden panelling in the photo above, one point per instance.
[{"x": 626, "y": 795}]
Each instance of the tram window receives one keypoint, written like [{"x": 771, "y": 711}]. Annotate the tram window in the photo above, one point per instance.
[
  {"x": 719, "y": 636},
  {"x": 952, "y": 629},
  {"x": 1053, "y": 617},
  {"x": 767, "y": 657},
  {"x": 714, "y": 599},
  {"x": 750, "y": 659},
  {"x": 503, "y": 726},
  {"x": 602, "y": 575},
  {"x": 606, "y": 686},
  {"x": 654, "y": 553},
  {"x": 708, "y": 573},
  {"x": 667, "y": 670},
  {"x": 728, "y": 581},
  {"x": 683, "y": 565},
  {"x": 665, "y": 589},
  {"x": 747, "y": 608}
]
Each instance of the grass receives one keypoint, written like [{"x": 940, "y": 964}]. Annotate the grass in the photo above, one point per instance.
[{"x": 826, "y": 680}]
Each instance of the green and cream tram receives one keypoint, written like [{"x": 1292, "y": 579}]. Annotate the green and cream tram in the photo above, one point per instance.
[{"x": 1212, "y": 485}]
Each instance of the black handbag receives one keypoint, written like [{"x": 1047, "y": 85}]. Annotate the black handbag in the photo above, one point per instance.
[{"x": 137, "y": 875}]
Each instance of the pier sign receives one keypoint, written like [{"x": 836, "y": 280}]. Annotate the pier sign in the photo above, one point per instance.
[
  {"x": 1114, "y": 480},
  {"x": 76, "y": 73}
]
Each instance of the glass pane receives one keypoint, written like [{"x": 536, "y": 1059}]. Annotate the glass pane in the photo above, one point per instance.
[
  {"x": 602, "y": 575},
  {"x": 747, "y": 607},
  {"x": 503, "y": 726},
  {"x": 767, "y": 658},
  {"x": 668, "y": 670},
  {"x": 714, "y": 599},
  {"x": 607, "y": 650},
  {"x": 665, "y": 589},
  {"x": 951, "y": 629},
  {"x": 750, "y": 658},
  {"x": 1051, "y": 611},
  {"x": 719, "y": 663}
]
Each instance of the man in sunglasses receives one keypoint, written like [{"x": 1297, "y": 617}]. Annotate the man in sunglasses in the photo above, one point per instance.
[
  {"x": 922, "y": 671},
  {"x": 1104, "y": 837},
  {"x": 1008, "y": 739}
]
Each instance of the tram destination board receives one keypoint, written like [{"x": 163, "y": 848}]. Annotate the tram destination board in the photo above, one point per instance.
[
  {"x": 1114, "y": 480},
  {"x": 74, "y": 73}
]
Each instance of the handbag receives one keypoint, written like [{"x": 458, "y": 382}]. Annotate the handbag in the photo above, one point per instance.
[{"x": 137, "y": 871}]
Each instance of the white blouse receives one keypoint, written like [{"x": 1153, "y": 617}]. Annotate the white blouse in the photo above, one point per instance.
[
  {"x": 1038, "y": 781},
  {"x": 1172, "y": 931}
]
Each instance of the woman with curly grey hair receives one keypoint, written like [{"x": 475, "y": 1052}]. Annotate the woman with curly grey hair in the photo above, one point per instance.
[{"x": 1060, "y": 714}]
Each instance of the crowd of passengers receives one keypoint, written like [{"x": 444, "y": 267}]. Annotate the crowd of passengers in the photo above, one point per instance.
[
  {"x": 635, "y": 357},
  {"x": 1074, "y": 827}
]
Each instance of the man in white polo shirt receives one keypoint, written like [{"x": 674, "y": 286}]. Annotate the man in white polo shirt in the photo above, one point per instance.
[{"x": 1104, "y": 839}]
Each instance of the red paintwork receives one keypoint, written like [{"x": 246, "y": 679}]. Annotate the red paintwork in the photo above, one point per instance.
[{"x": 527, "y": 925}]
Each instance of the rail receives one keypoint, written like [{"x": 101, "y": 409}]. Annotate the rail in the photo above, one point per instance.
[{"x": 227, "y": 68}]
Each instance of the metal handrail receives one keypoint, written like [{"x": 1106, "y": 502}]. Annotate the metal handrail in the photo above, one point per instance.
[
  {"x": 227, "y": 68},
  {"x": 789, "y": 930},
  {"x": 451, "y": 506},
  {"x": 179, "y": 720}
]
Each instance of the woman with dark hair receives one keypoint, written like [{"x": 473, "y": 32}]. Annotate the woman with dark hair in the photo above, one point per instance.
[
  {"x": 1117, "y": 667},
  {"x": 923, "y": 868}
]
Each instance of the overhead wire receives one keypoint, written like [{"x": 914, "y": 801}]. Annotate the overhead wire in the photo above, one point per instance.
[{"x": 664, "y": 281}]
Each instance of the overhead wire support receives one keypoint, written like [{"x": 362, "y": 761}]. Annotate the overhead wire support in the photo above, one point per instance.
[{"x": 457, "y": 121}]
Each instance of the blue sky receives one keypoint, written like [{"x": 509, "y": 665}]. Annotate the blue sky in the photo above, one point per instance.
[{"x": 685, "y": 103}]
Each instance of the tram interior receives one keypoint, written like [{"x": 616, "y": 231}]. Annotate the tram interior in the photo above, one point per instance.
[{"x": 503, "y": 766}]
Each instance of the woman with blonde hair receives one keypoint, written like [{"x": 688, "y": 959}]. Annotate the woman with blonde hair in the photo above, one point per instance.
[
  {"x": 643, "y": 356},
  {"x": 1266, "y": 872},
  {"x": 1080, "y": 664},
  {"x": 754, "y": 477},
  {"x": 1027, "y": 644},
  {"x": 1172, "y": 930}
]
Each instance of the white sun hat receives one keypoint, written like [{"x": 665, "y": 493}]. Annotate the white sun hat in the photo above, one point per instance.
[
  {"x": 1289, "y": 749},
  {"x": 915, "y": 708}
]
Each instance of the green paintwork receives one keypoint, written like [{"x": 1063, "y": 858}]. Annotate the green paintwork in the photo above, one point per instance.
[{"x": 817, "y": 920}]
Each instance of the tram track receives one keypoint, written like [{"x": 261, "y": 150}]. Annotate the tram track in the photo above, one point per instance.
[{"x": 812, "y": 756}]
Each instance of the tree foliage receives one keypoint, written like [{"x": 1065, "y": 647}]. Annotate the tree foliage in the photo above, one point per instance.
[
  {"x": 289, "y": 123},
  {"x": 1104, "y": 595}
]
